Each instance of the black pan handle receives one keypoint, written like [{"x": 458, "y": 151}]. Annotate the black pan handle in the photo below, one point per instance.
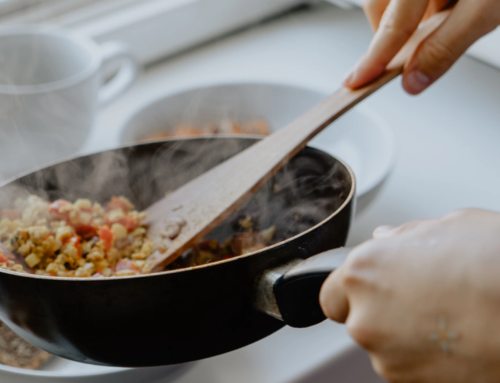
[{"x": 291, "y": 292}]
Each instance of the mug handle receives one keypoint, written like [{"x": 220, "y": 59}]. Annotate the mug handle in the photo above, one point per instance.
[{"x": 127, "y": 72}]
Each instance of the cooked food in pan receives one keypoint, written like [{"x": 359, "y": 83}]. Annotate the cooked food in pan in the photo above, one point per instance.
[
  {"x": 85, "y": 239},
  {"x": 212, "y": 250},
  {"x": 101, "y": 235},
  {"x": 258, "y": 127},
  {"x": 80, "y": 239},
  {"x": 16, "y": 352},
  {"x": 309, "y": 202}
]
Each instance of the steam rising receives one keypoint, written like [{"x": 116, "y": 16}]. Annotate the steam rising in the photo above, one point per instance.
[
  {"x": 309, "y": 189},
  {"x": 45, "y": 111}
]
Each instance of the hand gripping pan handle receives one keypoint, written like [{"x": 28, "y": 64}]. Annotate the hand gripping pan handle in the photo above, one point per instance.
[{"x": 291, "y": 292}]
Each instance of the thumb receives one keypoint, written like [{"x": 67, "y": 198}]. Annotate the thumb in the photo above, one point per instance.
[
  {"x": 468, "y": 21},
  {"x": 333, "y": 297}
]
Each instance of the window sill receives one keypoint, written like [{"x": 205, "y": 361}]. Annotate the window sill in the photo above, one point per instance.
[{"x": 158, "y": 28}]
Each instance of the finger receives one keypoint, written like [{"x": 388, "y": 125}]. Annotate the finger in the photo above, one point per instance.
[
  {"x": 469, "y": 213},
  {"x": 455, "y": 214},
  {"x": 468, "y": 21},
  {"x": 409, "y": 226},
  {"x": 374, "y": 9},
  {"x": 333, "y": 298},
  {"x": 436, "y": 6},
  {"x": 400, "y": 20},
  {"x": 382, "y": 232}
]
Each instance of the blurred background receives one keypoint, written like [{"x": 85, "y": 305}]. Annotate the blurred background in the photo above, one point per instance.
[
  {"x": 214, "y": 61},
  {"x": 148, "y": 25}
]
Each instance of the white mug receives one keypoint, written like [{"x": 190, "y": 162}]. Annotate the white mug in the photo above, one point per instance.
[{"x": 51, "y": 87}]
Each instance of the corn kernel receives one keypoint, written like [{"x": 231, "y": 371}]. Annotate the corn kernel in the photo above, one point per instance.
[
  {"x": 63, "y": 233},
  {"x": 83, "y": 204},
  {"x": 119, "y": 231},
  {"x": 115, "y": 215},
  {"x": 32, "y": 260}
]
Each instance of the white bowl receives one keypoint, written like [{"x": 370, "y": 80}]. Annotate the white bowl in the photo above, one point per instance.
[{"x": 361, "y": 137}]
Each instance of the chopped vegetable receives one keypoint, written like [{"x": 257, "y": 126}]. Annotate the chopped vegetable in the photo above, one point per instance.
[
  {"x": 86, "y": 240},
  {"x": 106, "y": 236},
  {"x": 80, "y": 239},
  {"x": 3, "y": 258}
]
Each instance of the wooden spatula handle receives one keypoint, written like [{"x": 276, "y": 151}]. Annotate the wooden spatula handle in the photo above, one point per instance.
[{"x": 204, "y": 202}]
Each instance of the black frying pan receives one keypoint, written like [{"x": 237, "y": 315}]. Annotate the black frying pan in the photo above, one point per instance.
[{"x": 188, "y": 314}]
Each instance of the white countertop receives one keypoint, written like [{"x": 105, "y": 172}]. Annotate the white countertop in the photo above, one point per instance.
[{"x": 448, "y": 142}]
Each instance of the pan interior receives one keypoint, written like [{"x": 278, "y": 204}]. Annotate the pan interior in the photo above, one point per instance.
[{"x": 311, "y": 187}]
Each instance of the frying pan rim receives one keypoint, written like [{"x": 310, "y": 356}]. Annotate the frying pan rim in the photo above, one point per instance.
[{"x": 348, "y": 200}]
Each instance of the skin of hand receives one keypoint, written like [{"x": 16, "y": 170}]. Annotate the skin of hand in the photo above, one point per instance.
[
  {"x": 394, "y": 21},
  {"x": 407, "y": 287}
]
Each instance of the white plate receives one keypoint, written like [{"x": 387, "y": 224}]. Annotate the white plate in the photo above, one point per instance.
[
  {"x": 361, "y": 137},
  {"x": 59, "y": 370}
]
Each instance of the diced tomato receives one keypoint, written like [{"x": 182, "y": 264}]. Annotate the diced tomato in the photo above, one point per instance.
[
  {"x": 129, "y": 222},
  {"x": 76, "y": 241},
  {"x": 3, "y": 258},
  {"x": 85, "y": 231},
  {"x": 126, "y": 264},
  {"x": 56, "y": 209},
  {"x": 106, "y": 236},
  {"x": 118, "y": 203},
  {"x": 10, "y": 214}
]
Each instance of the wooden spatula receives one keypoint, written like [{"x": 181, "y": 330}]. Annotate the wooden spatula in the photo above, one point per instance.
[{"x": 206, "y": 201}]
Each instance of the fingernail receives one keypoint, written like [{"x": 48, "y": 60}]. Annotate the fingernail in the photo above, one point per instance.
[
  {"x": 348, "y": 78},
  {"x": 416, "y": 82},
  {"x": 351, "y": 75},
  {"x": 384, "y": 231}
]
